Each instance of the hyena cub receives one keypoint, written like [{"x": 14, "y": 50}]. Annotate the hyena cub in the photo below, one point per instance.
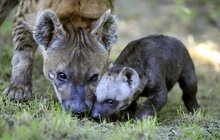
[{"x": 147, "y": 67}]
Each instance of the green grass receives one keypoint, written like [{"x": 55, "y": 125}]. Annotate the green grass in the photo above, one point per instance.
[{"x": 43, "y": 118}]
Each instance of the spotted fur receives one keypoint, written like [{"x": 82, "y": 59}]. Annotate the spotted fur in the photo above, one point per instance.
[{"x": 75, "y": 37}]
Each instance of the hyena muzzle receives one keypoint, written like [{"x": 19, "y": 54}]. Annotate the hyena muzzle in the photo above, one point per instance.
[{"x": 75, "y": 38}]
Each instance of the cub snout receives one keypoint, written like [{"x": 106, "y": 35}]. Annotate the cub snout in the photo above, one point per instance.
[
  {"x": 95, "y": 114},
  {"x": 96, "y": 111}
]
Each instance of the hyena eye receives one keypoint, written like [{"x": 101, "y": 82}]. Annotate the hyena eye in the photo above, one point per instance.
[
  {"x": 61, "y": 76},
  {"x": 109, "y": 102},
  {"x": 93, "y": 78}
]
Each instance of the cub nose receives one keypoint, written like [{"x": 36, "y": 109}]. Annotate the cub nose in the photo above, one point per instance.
[
  {"x": 76, "y": 107},
  {"x": 95, "y": 115}
]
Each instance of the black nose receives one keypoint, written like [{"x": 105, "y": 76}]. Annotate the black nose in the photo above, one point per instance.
[
  {"x": 76, "y": 107},
  {"x": 95, "y": 115}
]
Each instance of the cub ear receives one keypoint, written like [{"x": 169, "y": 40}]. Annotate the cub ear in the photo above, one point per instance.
[
  {"x": 130, "y": 76},
  {"x": 47, "y": 28},
  {"x": 104, "y": 29}
]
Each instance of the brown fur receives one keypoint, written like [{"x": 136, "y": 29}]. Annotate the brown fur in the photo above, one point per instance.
[
  {"x": 5, "y": 8},
  {"x": 64, "y": 30}
]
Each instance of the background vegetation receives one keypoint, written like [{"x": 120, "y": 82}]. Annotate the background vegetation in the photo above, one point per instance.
[{"x": 196, "y": 23}]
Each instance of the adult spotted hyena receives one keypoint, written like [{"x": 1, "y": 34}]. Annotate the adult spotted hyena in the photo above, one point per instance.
[
  {"x": 146, "y": 67},
  {"x": 75, "y": 37}
]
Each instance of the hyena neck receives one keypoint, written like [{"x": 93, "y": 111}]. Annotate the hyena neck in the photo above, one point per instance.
[{"x": 139, "y": 90}]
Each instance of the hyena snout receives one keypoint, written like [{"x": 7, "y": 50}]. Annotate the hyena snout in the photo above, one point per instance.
[
  {"x": 99, "y": 111},
  {"x": 74, "y": 106},
  {"x": 95, "y": 115},
  {"x": 76, "y": 99}
]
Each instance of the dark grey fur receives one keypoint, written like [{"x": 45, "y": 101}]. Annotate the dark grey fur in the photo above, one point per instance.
[{"x": 161, "y": 62}]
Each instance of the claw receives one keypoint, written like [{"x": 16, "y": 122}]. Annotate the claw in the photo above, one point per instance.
[
  {"x": 18, "y": 93},
  {"x": 5, "y": 92}
]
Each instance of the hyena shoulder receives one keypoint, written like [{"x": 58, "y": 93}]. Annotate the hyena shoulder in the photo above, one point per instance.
[{"x": 66, "y": 10}]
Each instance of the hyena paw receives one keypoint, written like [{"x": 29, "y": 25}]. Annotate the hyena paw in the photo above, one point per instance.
[
  {"x": 18, "y": 92},
  {"x": 139, "y": 115}
]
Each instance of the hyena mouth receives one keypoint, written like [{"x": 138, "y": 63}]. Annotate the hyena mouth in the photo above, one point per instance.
[
  {"x": 89, "y": 107},
  {"x": 80, "y": 115}
]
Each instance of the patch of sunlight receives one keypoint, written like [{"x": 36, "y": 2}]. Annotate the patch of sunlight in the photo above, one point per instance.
[{"x": 207, "y": 52}]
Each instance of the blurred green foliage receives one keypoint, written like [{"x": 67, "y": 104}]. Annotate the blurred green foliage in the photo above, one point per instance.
[{"x": 197, "y": 11}]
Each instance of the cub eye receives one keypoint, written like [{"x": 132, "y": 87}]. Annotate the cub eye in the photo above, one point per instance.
[
  {"x": 61, "y": 76},
  {"x": 109, "y": 102},
  {"x": 94, "y": 78}
]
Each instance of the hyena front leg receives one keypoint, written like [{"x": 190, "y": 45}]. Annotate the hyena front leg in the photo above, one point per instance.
[
  {"x": 156, "y": 100},
  {"x": 20, "y": 86}
]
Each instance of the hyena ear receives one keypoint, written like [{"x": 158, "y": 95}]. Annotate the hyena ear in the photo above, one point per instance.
[
  {"x": 130, "y": 76},
  {"x": 47, "y": 28},
  {"x": 104, "y": 29}
]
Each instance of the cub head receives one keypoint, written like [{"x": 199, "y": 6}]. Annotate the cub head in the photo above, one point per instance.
[
  {"x": 75, "y": 54},
  {"x": 115, "y": 91}
]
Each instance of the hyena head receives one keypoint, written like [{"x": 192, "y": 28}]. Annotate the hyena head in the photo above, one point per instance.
[
  {"x": 115, "y": 91},
  {"x": 75, "y": 55}
]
